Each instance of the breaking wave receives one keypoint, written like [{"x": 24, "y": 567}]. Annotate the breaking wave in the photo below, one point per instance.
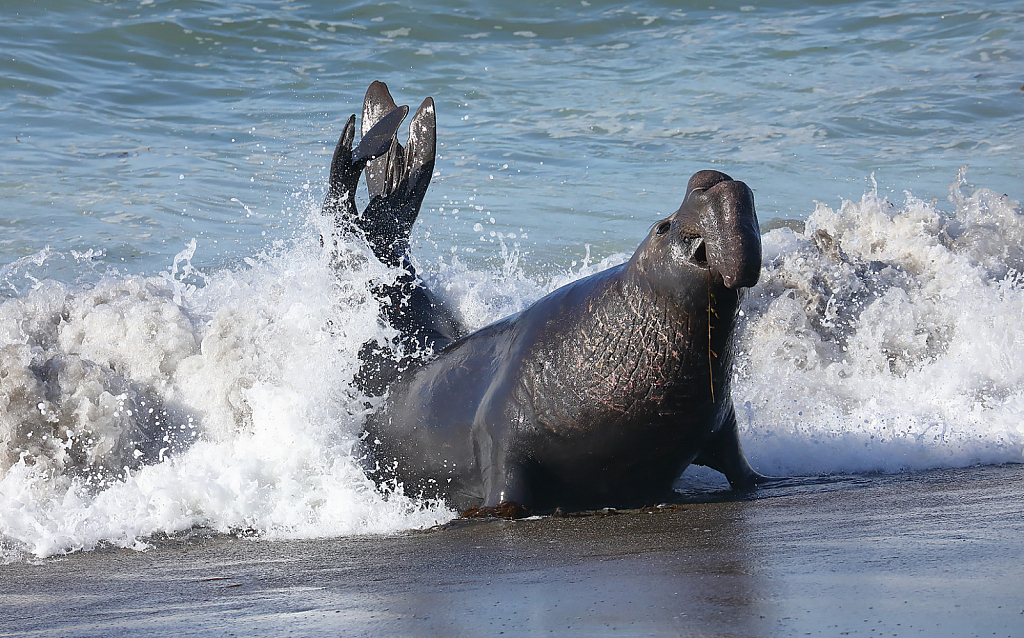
[{"x": 882, "y": 337}]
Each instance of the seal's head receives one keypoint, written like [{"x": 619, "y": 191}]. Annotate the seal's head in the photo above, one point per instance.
[{"x": 714, "y": 231}]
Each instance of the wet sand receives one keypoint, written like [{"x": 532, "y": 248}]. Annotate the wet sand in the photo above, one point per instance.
[{"x": 927, "y": 554}]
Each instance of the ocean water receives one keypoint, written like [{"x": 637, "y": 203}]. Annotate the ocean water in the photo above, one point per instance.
[{"x": 177, "y": 351}]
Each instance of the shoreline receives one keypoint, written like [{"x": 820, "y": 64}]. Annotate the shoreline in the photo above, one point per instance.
[{"x": 928, "y": 553}]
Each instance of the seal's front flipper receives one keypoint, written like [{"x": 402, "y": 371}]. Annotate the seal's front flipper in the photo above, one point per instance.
[
  {"x": 508, "y": 494},
  {"x": 506, "y": 489},
  {"x": 725, "y": 454}
]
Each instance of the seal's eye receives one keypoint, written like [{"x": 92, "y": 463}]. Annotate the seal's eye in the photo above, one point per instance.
[{"x": 663, "y": 227}]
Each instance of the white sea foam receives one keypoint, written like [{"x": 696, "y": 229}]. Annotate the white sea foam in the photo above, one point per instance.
[
  {"x": 141, "y": 405},
  {"x": 887, "y": 337},
  {"x": 881, "y": 337}
]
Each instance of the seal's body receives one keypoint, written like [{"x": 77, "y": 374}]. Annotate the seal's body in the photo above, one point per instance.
[{"x": 599, "y": 394}]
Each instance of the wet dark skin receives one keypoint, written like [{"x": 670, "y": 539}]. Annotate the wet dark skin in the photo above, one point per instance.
[{"x": 598, "y": 395}]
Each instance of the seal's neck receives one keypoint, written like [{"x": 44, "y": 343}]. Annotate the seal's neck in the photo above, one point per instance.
[{"x": 689, "y": 326}]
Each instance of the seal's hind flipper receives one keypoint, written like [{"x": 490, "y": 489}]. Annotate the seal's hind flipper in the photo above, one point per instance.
[
  {"x": 397, "y": 181},
  {"x": 403, "y": 173},
  {"x": 347, "y": 164},
  {"x": 419, "y": 155},
  {"x": 340, "y": 200},
  {"x": 378, "y": 140},
  {"x": 384, "y": 174}
]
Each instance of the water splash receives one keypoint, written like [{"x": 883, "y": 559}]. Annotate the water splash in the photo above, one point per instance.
[
  {"x": 886, "y": 337},
  {"x": 141, "y": 405},
  {"x": 881, "y": 337}
]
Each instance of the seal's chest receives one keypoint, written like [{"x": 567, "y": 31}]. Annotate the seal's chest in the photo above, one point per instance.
[{"x": 651, "y": 379}]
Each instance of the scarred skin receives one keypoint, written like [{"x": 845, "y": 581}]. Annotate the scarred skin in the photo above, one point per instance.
[{"x": 601, "y": 393}]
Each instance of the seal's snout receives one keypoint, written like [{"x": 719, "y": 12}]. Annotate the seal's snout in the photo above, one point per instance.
[
  {"x": 720, "y": 210},
  {"x": 703, "y": 180}
]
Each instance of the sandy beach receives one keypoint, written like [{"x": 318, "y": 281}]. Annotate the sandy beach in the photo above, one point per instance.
[{"x": 928, "y": 554}]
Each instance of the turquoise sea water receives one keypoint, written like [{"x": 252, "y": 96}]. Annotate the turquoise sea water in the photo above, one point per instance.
[
  {"x": 132, "y": 127},
  {"x": 162, "y": 162}
]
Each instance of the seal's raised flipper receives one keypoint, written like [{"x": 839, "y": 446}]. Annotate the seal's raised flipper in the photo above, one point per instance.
[
  {"x": 382, "y": 175},
  {"x": 397, "y": 180},
  {"x": 347, "y": 164},
  {"x": 378, "y": 140}
]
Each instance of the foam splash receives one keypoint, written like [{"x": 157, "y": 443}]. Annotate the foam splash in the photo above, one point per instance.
[
  {"x": 143, "y": 404},
  {"x": 880, "y": 338},
  {"x": 885, "y": 338}
]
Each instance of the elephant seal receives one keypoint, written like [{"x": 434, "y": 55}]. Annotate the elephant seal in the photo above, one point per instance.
[{"x": 599, "y": 394}]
